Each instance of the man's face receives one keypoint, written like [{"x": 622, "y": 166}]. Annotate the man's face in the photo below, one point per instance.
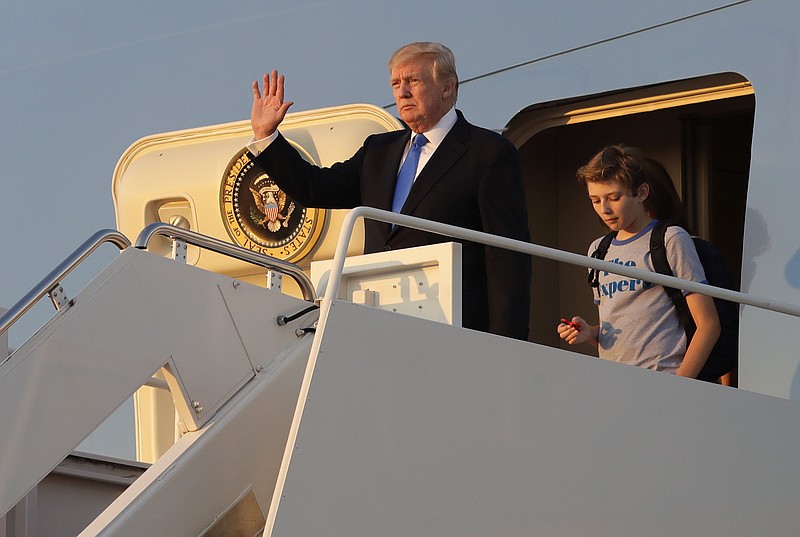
[{"x": 421, "y": 100}]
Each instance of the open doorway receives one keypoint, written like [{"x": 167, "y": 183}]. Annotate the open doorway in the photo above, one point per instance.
[{"x": 699, "y": 129}]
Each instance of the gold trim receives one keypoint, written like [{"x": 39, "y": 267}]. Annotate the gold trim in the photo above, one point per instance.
[
  {"x": 307, "y": 224},
  {"x": 658, "y": 102},
  {"x": 537, "y": 118}
]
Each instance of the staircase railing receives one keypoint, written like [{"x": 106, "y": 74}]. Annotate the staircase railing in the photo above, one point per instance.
[
  {"x": 181, "y": 237},
  {"x": 51, "y": 284},
  {"x": 554, "y": 254}
]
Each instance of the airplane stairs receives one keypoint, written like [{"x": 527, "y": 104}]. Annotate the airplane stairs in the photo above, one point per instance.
[{"x": 234, "y": 373}]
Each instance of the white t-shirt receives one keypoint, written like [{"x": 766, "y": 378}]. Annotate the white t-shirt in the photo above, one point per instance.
[{"x": 638, "y": 322}]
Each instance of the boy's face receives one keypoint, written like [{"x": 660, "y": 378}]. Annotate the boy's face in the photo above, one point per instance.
[{"x": 620, "y": 210}]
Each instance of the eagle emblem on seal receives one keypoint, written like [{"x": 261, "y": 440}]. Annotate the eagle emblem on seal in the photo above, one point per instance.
[
  {"x": 261, "y": 217},
  {"x": 271, "y": 203}
]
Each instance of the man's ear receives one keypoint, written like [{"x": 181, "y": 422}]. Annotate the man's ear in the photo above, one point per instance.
[{"x": 449, "y": 88}]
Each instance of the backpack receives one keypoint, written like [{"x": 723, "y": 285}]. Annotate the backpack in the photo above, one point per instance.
[{"x": 725, "y": 354}]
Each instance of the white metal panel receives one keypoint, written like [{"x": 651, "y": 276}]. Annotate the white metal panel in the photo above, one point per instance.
[
  {"x": 207, "y": 471},
  {"x": 597, "y": 57},
  {"x": 424, "y": 282},
  {"x": 254, "y": 311},
  {"x": 419, "y": 428},
  {"x": 204, "y": 349},
  {"x": 73, "y": 374}
]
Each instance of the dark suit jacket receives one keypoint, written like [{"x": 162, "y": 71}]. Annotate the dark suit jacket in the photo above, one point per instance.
[{"x": 472, "y": 180}]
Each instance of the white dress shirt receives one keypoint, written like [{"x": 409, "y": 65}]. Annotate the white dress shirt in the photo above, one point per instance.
[{"x": 435, "y": 136}]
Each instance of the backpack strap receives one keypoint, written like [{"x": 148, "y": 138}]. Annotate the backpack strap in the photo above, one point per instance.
[
  {"x": 658, "y": 256},
  {"x": 600, "y": 253}
]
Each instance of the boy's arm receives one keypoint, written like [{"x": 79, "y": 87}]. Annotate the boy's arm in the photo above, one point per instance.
[{"x": 705, "y": 337}]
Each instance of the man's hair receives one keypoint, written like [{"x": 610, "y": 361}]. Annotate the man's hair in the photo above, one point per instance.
[
  {"x": 630, "y": 168},
  {"x": 444, "y": 61}
]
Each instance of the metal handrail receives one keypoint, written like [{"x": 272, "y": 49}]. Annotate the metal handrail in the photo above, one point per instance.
[
  {"x": 348, "y": 225},
  {"x": 231, "y": 250},
  {"x": 52, "y": 280}
]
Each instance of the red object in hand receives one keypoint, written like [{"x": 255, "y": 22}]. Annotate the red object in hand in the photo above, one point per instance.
[{"x": 573, "y": 324}]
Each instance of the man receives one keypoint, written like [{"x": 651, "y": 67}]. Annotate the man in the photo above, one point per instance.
[{"x": 465, "y": 176}]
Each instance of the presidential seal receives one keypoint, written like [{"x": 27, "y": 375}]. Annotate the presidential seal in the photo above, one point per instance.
[{"x": 260, "y": 216}]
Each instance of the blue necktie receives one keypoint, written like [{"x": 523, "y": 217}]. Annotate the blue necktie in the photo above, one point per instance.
[{"x": 407, "y": 173}]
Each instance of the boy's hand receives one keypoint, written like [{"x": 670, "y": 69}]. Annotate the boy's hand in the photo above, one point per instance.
[{"x": 573, "y": 331}]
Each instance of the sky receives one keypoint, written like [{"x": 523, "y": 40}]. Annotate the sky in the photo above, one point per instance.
[{"x": 82, "y": 80}]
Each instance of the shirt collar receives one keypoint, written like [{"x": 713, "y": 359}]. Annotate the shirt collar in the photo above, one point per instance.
[{"x": 440, "y": 130}]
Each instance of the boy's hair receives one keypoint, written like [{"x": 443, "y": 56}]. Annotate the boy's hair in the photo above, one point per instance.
[
  {"x": 615, "y": 164},
  {"x": 444, "y": 61},
  {"x": 631, "y": 169},
  {"x": 663, "y": 202}
]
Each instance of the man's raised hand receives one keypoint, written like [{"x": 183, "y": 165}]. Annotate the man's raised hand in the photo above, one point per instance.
[{"x": 269, "y": 109}]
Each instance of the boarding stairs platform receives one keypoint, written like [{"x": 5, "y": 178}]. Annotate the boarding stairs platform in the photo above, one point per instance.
[{"x": 362, "y": 421}]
